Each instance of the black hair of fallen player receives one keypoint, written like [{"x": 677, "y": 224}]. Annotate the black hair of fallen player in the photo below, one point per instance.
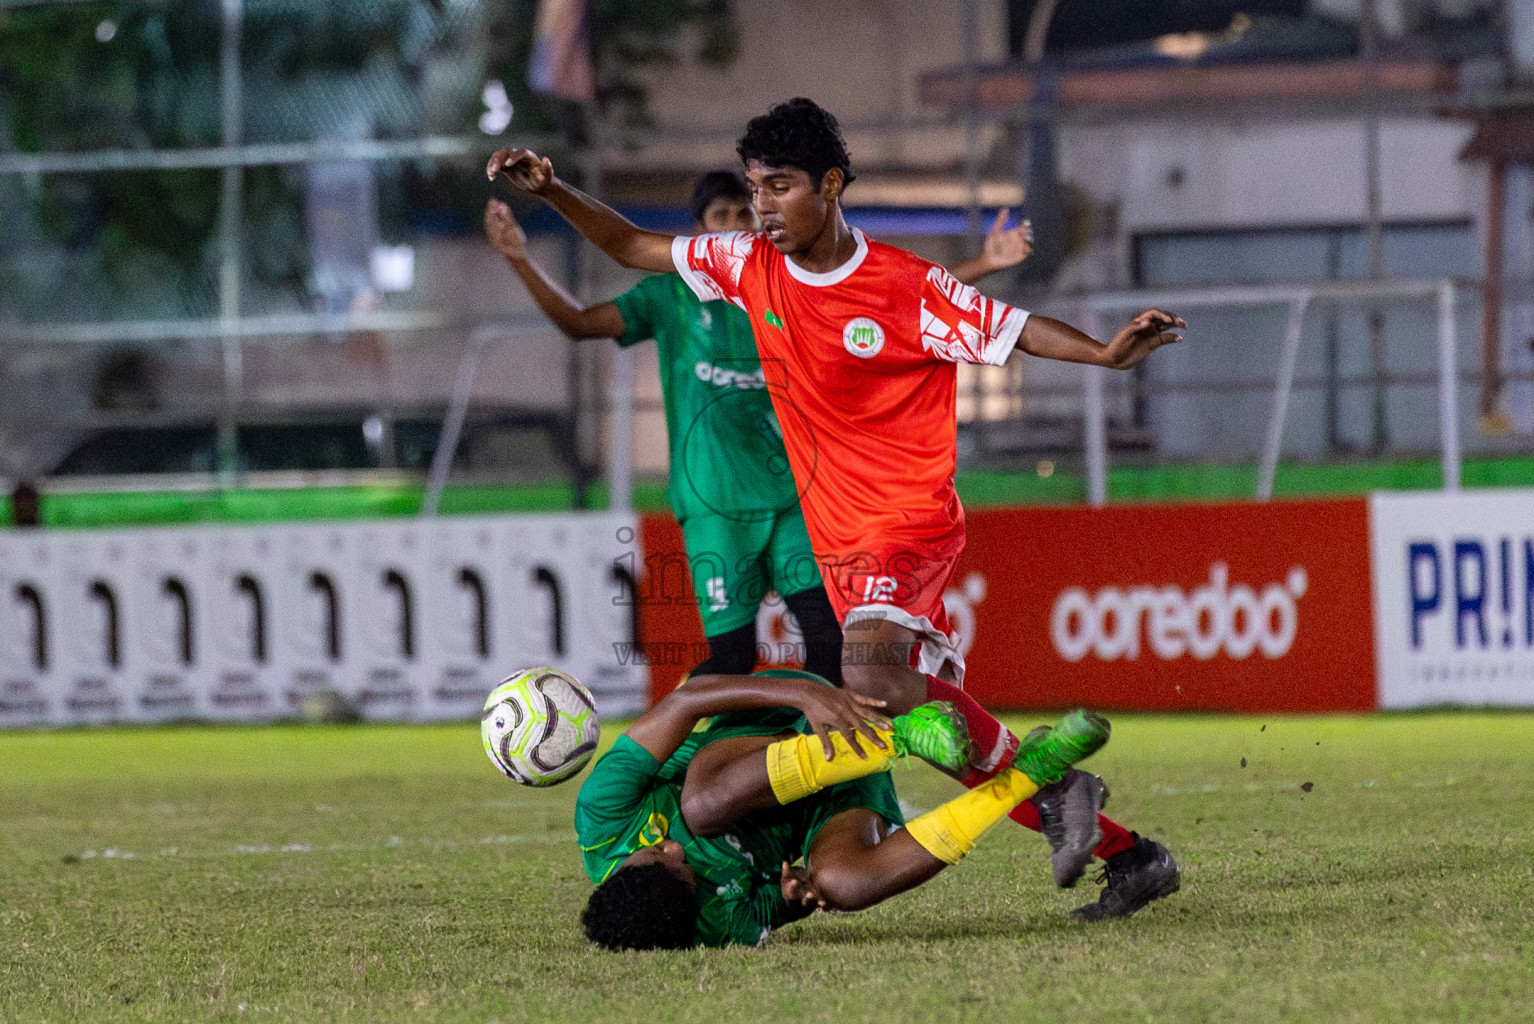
[
  {"x": 729, "y": 184},
  {"x": 642, "y": 907},
  {"x": 800, "y": 133}
]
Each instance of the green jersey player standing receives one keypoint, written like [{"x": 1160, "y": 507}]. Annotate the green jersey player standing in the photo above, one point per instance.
[{"x": 731, "y": 486}]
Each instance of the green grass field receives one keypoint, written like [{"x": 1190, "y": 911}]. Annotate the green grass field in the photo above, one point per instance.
[{"x": 377, "y": 873}]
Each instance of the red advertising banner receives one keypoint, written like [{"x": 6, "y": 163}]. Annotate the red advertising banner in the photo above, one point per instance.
[
  {"x": 1236, "y": 607},
  {"x": 670, "y": 629}
]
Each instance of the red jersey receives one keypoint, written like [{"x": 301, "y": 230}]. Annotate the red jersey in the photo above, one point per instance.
[{"x": 860, "y": 363}]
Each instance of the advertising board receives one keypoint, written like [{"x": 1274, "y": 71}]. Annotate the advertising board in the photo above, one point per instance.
[
  {"x": 404, "y": 619},
  {"x": 1454, "y": 597},
  {"x": 1233, "y": 607}
]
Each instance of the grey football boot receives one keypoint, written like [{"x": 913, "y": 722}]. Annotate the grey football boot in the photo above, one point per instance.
[{"x": 1068, "y": 812}]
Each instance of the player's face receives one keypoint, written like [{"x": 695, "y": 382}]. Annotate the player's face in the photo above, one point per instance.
[
  {"x": 794, "y": 209},
  {"x": 669, "y": 854},
  {"x": 729, "y": 214}
]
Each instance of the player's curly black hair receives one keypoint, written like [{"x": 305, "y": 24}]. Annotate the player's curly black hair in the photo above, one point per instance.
[
  {"x": 642, "y": 907},
  {"x": 717, "y": 185},
  {"x": 800, "y": 133}
]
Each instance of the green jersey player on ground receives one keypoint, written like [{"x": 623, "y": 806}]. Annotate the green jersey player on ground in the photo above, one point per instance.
[
  {"x": 781, "y": 806},
  {"x": 731, "y": 486}
]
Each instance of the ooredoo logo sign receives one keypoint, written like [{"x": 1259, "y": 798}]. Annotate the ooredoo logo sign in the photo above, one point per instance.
[
  {"x": 1249, "y": 607},
  {"x": 1237, "y": 620}
]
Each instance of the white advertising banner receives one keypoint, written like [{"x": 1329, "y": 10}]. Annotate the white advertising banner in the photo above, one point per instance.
[
  {"x": 465, "y": 616},
  {"x": 404, "y": 619},
  {"x": 92, "y": 642},
  {"x": 236, "y": 627},
  {"x": 384, "y": 621},
  {"x": 315, "y": 651},
  {"x": 552, "y": 566},
  {"x": 28, "y": 627},
  {"x": 1454, "y": 597},
  {"x": 162, "y": 592}
]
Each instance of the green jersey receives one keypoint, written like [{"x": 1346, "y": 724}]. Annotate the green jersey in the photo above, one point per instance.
[
  {"x": 631, "y": 800},
  {"x": 727, "y": 454}
]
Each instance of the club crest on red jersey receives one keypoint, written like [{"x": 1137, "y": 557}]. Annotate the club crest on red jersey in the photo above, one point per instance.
[{"x": 863, "y": 337}]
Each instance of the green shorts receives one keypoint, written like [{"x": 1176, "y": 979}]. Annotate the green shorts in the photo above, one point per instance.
[
  {"x": 736, "y": 561},
  {"x": 808, "y": 816}
]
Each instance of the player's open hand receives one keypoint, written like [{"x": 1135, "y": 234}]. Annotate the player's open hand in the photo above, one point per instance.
[
  {"x": 1142, "y": 336},
  {"x": 1007, "y": 247},
  {"x": 797, "y": 888},
  {"x": 853, "y": 715},
  {"x": 525, "y": 170},
  {"x": 503, "y": 231}
]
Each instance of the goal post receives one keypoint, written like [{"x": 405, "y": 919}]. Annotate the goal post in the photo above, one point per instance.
[{"x": 1297, "y": 299}]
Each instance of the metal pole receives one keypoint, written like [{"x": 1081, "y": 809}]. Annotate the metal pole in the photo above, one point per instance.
[
  {"x": 575, "y": 378},
  {"x": 620, "y": 455},
  {"x": 452, "y": 424},
  {"x": 231, "y": 202},
  {"x": 1448, "y": 387},
  {"x": 1491, "y": 304},
  {"x": 1094, "y": 428},
  {"x": 1374, "y": 225},
  {"x": 1038, "y": 30},
  {"x": 620, "y": 427},
  {"x": 1283, "y": 385},
  {"x": 270, "y": 325},
  {"x": 971, "y": 36},
  {"x": 267, "y": 154}
]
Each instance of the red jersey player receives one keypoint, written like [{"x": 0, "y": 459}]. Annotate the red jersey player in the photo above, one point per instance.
[{"x": 859, "y": 342}]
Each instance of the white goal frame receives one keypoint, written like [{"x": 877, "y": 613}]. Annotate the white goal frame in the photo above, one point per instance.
[{"x": 1297, "y": 298}]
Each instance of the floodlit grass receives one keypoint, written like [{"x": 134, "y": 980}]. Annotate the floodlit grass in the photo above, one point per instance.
[{"x": 377, "y": 873}]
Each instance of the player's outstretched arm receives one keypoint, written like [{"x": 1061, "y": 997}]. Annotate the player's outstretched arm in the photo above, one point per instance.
[
  {"x": 600, "y": 321},
  {"x": 664, "y": 728},
  {"x": 1004, "y": 247},
  {"x": 1055, "y": 339},
  {"x": 607, "y": 229}
]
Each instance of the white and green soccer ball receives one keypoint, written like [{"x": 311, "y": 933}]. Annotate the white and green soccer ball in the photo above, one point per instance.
[{"x": 540, "y": 726}]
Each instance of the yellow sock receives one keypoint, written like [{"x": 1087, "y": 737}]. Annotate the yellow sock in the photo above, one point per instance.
[
  {"x": 798, "y": 767},
  {"x": 952, "y": 830}
]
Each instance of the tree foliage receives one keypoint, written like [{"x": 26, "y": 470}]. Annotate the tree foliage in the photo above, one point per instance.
[{"x": 140, "y": 74}]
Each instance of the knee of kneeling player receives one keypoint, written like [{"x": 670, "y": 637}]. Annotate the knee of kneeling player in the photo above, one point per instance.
[
  {"x": 901, "y": 688},
  {"x": 843, "y": 887},
  {"x": 705, "y": 813}
]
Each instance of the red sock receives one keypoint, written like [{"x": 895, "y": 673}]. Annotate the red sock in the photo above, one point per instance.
[
  {"x": 1116, "y": 838},
  {"x": 997, "y": 746}
]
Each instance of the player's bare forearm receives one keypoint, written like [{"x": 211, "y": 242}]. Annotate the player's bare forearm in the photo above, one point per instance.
[
  {"x": 576, "y": 321},
  {"x": 506, "y": 236},
  {"x": 1004, "y": 247},
  {"x": 1049, "y": 338},
  {"x": 1054, "y": 339},
  {"x": 664, "y": 728},
  {"x": 607, "y": 229},
  {"x": 610, "y": 231},
  {"x": 972, "y": 271}
]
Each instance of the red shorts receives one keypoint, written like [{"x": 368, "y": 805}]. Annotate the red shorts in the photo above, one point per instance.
[{"x": 903, "y": 583}]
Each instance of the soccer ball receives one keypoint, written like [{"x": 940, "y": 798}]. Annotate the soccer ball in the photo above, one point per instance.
[{"x": 540, "y": 726}]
